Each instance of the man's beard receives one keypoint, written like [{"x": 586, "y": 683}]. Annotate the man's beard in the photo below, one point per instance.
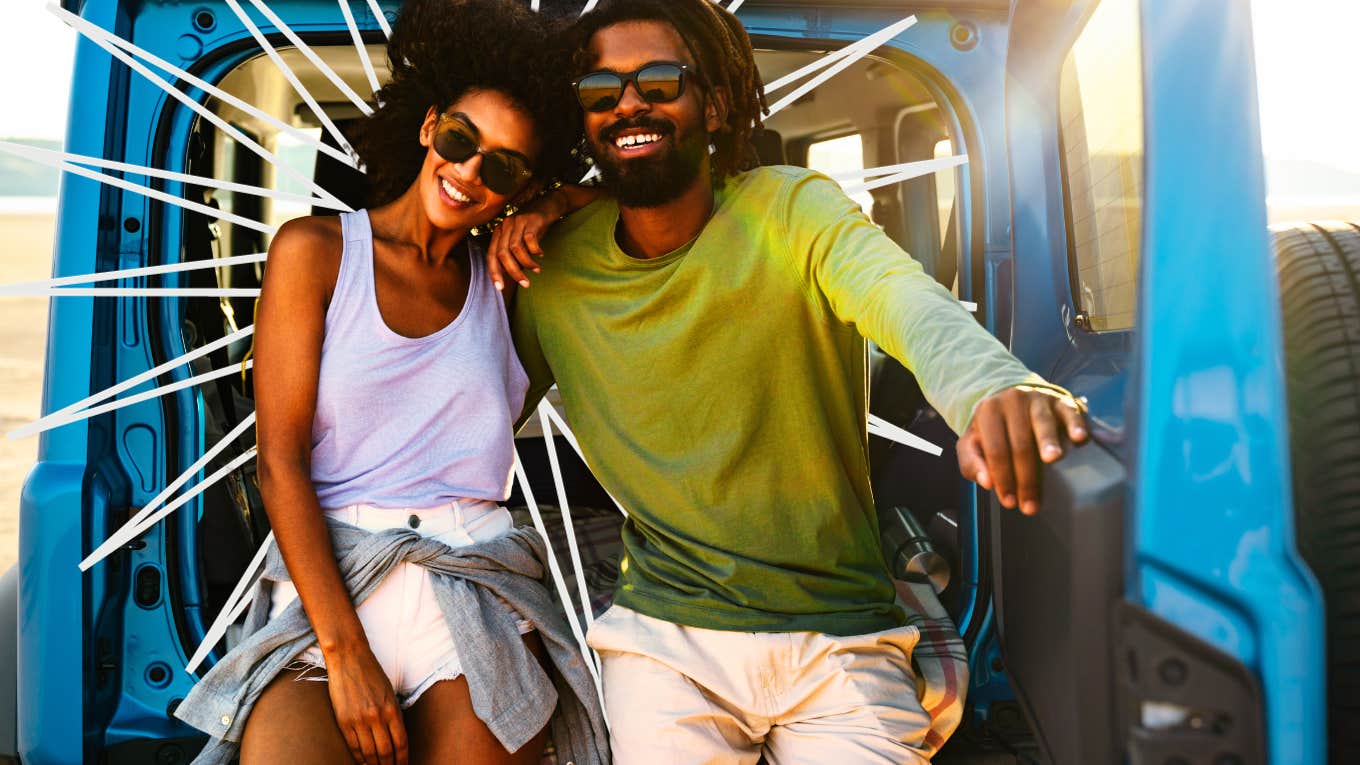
[{"x": 650, "y": 181}]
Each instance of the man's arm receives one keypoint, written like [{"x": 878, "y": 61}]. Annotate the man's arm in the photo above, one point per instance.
[{"x": 1008, "y": 417}]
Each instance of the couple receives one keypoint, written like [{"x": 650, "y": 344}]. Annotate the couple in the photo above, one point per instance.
[{"x": 706, "y": 329}]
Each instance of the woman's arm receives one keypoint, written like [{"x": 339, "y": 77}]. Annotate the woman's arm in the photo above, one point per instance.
[
  {"x": 515, "y": 243},
  {"x": 303, "y": 265}
]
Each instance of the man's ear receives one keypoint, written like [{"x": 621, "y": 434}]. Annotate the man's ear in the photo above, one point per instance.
[
  {"x": 715, "y": 109},
  {"x": 427, "y": 127}
]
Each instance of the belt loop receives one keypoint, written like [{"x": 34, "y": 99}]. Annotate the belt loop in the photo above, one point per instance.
[{"x": 458, "y": 519}]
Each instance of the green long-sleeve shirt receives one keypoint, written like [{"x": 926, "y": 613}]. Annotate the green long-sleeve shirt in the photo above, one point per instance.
[{"x": 720, "y": 392}]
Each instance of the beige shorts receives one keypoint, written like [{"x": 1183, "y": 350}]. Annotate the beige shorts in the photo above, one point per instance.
[
  {"x": 679, "y": 695},
  {"x": 405, "y": 627}
]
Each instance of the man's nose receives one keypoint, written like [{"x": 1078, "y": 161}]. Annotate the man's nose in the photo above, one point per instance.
[{"x": 631, "y": 101}]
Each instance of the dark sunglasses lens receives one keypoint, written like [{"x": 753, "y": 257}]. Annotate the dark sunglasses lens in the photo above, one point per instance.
[
  {"x": 660, "y": 83},
  {"x": 454, "y": 143},
  {"x": 599, "y": 91},
  {"x": 502, "y": 174}
]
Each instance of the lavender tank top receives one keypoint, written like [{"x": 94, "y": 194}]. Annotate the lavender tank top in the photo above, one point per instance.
[{"x": 412, "y": 422}]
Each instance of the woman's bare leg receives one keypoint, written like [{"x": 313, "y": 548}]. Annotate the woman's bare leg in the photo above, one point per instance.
[
  {"x": 293, "y": 723},
  {"x": 443, "y": 728}
]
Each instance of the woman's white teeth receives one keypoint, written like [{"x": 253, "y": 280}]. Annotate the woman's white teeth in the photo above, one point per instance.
[
  {"x": 457, "y": 195},
  {"x": 637, "y": 140}
]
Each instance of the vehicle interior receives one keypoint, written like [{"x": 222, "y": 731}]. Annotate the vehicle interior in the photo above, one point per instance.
[{"x": 877, "y": 112}]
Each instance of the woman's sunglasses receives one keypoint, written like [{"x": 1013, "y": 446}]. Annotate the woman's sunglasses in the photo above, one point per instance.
[
  {"x": 657, "y": 83},
  {"x": 503, "y": 172}
]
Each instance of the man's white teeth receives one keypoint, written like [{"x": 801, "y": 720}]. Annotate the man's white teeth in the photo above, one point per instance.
[
  {"x": 457, "y": 195},
  {"x": 636, "y": 140}
]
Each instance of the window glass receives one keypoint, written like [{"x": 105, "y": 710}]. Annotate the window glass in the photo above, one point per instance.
[
  {"x": 944, "y": 187},
  {"x": 1102, "y": 135},
  {"x": 841, "y": 155},
  {"x": 301, "y": 157}
]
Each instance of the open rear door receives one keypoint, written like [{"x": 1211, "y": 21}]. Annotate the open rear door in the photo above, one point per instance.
[{"x": 1156, "y": 604}]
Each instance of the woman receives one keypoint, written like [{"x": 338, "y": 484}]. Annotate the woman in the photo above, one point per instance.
[{"x": 386, "y": 393}]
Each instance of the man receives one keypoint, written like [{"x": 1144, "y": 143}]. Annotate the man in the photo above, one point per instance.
[{"x": 706, "y": 330}]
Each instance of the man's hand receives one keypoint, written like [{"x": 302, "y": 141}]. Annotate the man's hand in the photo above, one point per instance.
[
  {"x": 1010, "y": 432},
  {"x": 514, "y": 244}
]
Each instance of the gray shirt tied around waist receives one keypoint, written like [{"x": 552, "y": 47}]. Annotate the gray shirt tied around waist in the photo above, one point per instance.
[{"x": 510, "y": 691}]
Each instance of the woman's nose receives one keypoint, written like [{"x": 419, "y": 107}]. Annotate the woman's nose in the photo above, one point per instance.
[{"x": 470, "y": 169}]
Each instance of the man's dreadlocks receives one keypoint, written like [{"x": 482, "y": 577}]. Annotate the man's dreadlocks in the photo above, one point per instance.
[{"x": 721, "y": 51}]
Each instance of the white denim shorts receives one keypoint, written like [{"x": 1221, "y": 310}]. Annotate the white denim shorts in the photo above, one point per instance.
[{"x": 405, "y": 628}]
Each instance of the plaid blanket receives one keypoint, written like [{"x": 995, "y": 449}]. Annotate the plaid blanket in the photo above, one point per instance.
[{"x": 940, "y": 658}]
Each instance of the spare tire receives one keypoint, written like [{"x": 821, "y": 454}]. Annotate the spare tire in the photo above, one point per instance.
[{"x": 1319, "y": 272}]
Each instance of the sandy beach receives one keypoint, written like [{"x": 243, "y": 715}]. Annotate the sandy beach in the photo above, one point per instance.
[{"x": 27, "y": 255}]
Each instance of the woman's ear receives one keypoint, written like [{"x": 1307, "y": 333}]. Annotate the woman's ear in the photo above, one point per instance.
[
  {"x": 427, "y": 127},
  {"x": 715, "y": 109}
]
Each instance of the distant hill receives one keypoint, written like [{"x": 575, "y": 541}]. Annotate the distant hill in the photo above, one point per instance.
[
  {"x": 1305, "y": 179},
  {"x": 21, "y": 177}
]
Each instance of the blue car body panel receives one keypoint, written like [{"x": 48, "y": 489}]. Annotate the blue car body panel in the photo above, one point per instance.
[
  {"x": 1213, "y": 532},
  {"x": 1207, "y": 440}
]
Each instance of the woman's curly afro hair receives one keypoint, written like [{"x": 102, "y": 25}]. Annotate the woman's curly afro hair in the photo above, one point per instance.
[{"x": 442, "y": 49}]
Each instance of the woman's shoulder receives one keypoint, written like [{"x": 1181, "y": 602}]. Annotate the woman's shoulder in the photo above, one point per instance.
[
  {"x": 306, "y": 252},
  {"x": 311, "y": 236}
]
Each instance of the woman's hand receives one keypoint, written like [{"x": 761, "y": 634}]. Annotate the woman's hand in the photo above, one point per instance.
[
  {"x": 366, "y": 709},
  {"x": 514, "y": 244}
]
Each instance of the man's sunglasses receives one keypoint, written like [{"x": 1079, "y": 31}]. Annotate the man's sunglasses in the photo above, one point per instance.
[
  {"x": 657, "y": 83},
  {"x": 504, "y": 172}
]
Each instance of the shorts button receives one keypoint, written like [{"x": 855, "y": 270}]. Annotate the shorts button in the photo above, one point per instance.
[
  {"x": 226, "y": 720},
  {"x": 413, "y": 521}
]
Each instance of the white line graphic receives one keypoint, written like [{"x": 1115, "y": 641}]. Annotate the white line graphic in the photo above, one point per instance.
[
  {"x": 925, "y": 167},
  {"x": 380, "y": 18},
  {"x": 126, "y": 536},
  {"x": 562, "y": 504},
  {"x": 69, "y": 413},
  {"x": 882, "y": 428},
  {"x": 216, "y": 374},
  {"x": 143, "y": 292},
  {"x": 87, "y": 29},
  {"x": 362, "y": 49},
  {"x": 22, "y": 288},
  {"x": 129, "y": 530},
  {"x": 562, "y": 592},
  {"x": 41, "y": 156},
  {"x": 52, "y": 157},
  {"x": 571, "y": 439},
  {"x": 317, "y": 61},
  {"x": 100, "y": 35},
  {"x": 236, "y": 603},
  {"x": 288, "y": 74},
  {"x": 928, "y": 165},
  {"x": 861, "y": 49}
]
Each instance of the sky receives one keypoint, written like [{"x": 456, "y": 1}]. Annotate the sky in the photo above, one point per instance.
[{"x": 1308, "y": 68}]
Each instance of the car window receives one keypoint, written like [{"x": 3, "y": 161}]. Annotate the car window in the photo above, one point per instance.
[
  {"x": 839, "y": 155},
  {"x": 1102, "y": 137},
  {"x": 944, "y": 187}
]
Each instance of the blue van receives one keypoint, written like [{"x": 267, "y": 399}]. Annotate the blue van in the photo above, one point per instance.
[{"x": 1167, "y": 604}]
